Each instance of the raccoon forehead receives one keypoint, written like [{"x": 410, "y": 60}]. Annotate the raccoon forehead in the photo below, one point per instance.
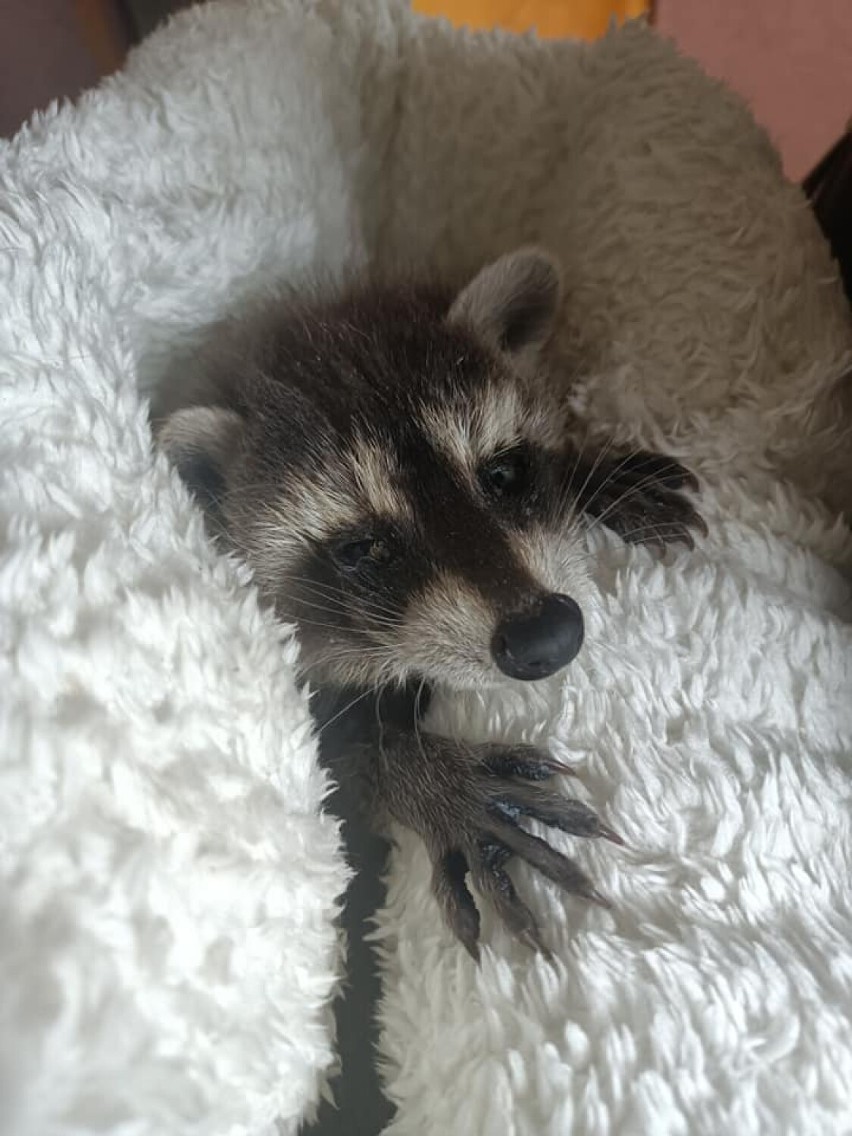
[
  {"x": 346, "y": 485},
  {"x": 497, "y": 417},
  {"x": 375, "y": 470},
  {"x": 350, "y": 489}
]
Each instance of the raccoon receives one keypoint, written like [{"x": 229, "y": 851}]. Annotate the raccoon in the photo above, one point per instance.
[{"x": 398, "y": 468}]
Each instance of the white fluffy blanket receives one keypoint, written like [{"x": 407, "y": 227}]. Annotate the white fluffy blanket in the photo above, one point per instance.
[{"x": 169, "y": 883}]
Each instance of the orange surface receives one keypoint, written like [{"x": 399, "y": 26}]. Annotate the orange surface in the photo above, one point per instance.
[{"x": 585, "y": 19}]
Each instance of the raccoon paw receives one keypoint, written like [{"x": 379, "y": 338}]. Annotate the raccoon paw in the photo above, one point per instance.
[
  {"x": 476, "y": 829},
  {"x": 641, "y": 498}
]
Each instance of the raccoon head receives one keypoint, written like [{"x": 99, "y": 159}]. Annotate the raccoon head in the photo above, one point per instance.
[{"x": 395, "y": 476}]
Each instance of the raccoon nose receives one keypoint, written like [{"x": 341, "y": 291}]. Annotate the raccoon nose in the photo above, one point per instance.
[{"x": 533, "y": 645}]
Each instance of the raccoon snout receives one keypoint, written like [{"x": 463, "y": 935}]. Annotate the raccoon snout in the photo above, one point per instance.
[{"x": 533, "y": 645}]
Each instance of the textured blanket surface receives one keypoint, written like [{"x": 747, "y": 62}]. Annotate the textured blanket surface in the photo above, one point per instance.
[{"x": 169, "y": 882}]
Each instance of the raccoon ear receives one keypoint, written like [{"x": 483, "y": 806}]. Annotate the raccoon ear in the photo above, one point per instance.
[
  {"x": 200, "y": 442},
  {"x": 512, "y": 303}
]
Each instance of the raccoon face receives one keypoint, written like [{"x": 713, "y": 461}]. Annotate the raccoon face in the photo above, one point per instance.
[{"x": 394, "y": 474}]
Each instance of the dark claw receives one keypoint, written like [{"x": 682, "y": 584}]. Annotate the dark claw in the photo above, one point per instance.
[
  {"x": 610, "y": 834},
  {"x": 566, "y": 813},
  {"x": 676, "y": 535},
  {"x": 637, "y": 525},
  {"x": 494, "y": 882},
  {"x": 601, "y": 900},
  {"x": 561, "y": 767},
  {"x": 558, "y": 868},
  {"x": 689, "y": 481},
  {"x": 469, "y": 811},
  {"x": 640, "y": 498},
  {"x": 526, "y": 762},
  {"x": 456, "y": 901},
  {"x": 654, "y": 544}
]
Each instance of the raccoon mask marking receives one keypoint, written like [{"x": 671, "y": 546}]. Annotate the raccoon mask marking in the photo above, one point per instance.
[{"x": 387, "y": 467}]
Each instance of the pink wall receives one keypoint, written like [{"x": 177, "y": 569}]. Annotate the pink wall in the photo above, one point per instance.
[{"x": 791, "y": 59}]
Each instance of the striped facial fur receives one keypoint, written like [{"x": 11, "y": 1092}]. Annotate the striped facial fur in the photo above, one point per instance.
[{"x": 389, "y": 467}]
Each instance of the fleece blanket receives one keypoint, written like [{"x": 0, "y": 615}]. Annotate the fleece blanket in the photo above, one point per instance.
[{"x": 169, "y": 878}]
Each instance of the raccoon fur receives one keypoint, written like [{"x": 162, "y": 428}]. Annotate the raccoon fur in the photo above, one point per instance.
[{"x": 397, "y": 469}]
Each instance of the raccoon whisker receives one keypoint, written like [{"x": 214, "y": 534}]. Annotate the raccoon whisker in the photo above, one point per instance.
[
  {"x": 343, "y": 627},
  {"x": 380, "y": 618},
  {"x": 298, "y": 619},
  {"x": 610, "y": 475},
  {"x": 565, "y": 487},
  {"x": 317, "y": 599},
  {"x": 654, "y": 478},
  {"x": 380, "y": 674},
  {"x": 576, "y": 495},
  {"x": 317, "y": 585},
  {"x": 667, "y": 533},
  {"x": 598, "y": 461},
  {"x": 385, "y": 681},
  {"x": 653, "y": 460},
  {"x": 295, "y": 609},
  {"x": 359, "y": 651},
  {"x": 333, "y": 608},
  {"x": 643, "y": 531},
  {"x": 568, "y": 478},
  {"x": 562, "y": 497},
  {"x": 381, "y": 734},
  {"x": 382, "y": 615},
  {"x": 299, "y": 602},
  {"x": 344, "y": 650},
  {"x": 631, "y": 491},
  {"x": 320, "y": 588},
  {"x": 608, "y": 479},
  {"x": 418, "y": 735},
  {"x": 386, "y": 617},
  {"x": 356, "y": 670},
  {"x": 320, "y": 602},
  {"x": 349, "y": 705}
]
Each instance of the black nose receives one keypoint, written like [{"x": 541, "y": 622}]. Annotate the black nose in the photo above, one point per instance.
[{"x": 536, "y": 644}]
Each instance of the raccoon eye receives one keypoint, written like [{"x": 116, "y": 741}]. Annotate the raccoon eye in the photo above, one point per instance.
[
  {"x": 507, "y": 475},
  {"x": 353, "y": 554}
]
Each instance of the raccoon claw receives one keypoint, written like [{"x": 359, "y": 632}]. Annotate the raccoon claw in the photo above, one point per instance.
[
  {"x": 468, "y": 805},
  {"x": 526, "y": 762},
  {"x": 469, "y": 810},
  {"x": 640, "y": 497},
  {"x": 494, "y": 883},
  {"x": 611, "y": 835},
  {"x": 552, "y": 809},
  {"x": 456, "y": 902}
]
